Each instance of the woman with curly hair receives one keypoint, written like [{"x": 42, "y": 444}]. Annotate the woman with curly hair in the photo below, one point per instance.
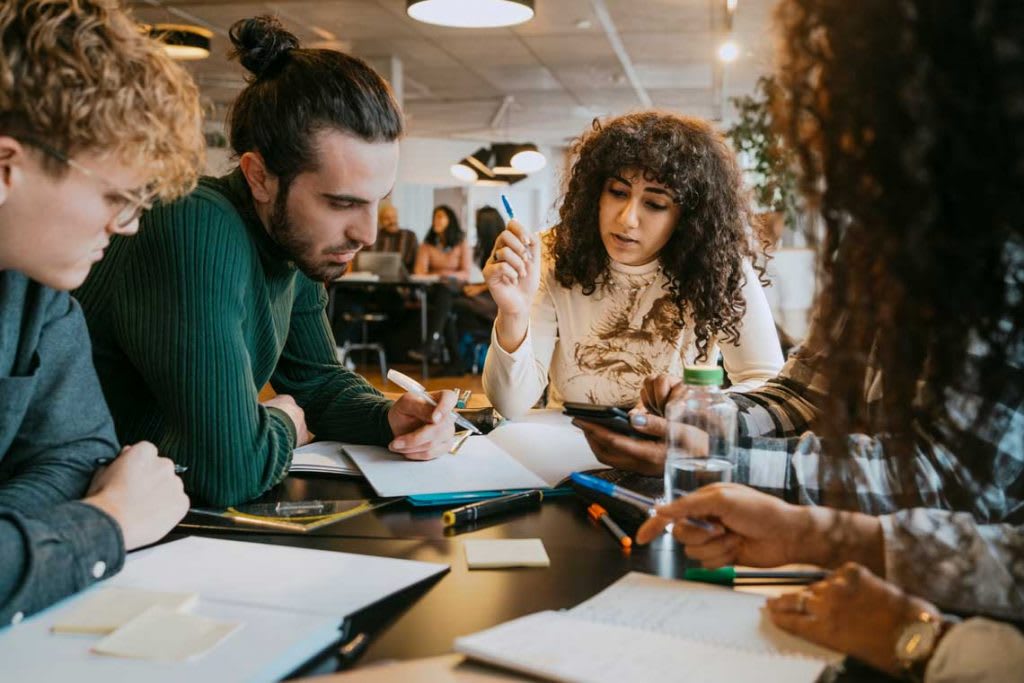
[{"x": 652, "y": 266}]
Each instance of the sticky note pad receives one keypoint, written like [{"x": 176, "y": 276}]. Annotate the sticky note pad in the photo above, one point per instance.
[
  {"x": 108, "y": 609},
  {"x": 518, "y": 552},
  {"x": 165, "y": 635}
]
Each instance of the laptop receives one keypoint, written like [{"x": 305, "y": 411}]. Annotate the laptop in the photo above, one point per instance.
[{"x": 386, "y": 265}]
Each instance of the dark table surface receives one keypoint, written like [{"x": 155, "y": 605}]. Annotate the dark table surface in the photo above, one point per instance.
[{"x": 424, "y": 620}]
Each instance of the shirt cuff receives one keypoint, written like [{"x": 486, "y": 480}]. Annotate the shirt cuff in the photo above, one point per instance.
[{"x": 520, "y": 355}]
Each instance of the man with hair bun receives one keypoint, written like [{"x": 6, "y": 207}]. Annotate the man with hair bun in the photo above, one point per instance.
[
  {"x": 223, "y": 291},
  {"x": 96, "y": 122}
]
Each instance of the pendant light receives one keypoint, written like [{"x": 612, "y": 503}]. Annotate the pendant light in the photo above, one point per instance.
[
  {"x": 183, "y": 42},
  {"x": 470, "y": 13}
]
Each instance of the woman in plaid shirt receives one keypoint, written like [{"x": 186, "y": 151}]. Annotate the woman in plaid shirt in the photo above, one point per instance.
[{"x": 905, "y": 406}]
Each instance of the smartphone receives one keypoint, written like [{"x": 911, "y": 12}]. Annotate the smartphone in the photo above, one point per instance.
[{"x": 615, "y": 418}]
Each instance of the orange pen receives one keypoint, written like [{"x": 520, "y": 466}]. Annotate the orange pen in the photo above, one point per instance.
[{"x": 599, "y": 514}]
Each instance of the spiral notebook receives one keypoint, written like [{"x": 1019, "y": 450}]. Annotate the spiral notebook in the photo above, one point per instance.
[{"x": 645, "y": 628}]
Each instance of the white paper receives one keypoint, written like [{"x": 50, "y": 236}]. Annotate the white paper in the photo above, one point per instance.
[
  {"x": 479, "y": 465},
  {"x": 110, "y": 608},
  {"x": 276, "y": 576},
  {"x": 493, "y": 553},
  {"x": 562, "y": 647},
  {"x": 551, "y": 448},
  {"x": 271, "y": 644},
  {"x": 697, "y": 612},
  {"x": 165, "y": 635},
  {"x": 323, "y": 457}
]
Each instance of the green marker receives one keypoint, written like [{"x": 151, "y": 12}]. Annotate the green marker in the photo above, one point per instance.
[{"x": 728, "y": 576}]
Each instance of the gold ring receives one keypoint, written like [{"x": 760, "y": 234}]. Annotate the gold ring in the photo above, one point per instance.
[{"x": 801, "y": 602}]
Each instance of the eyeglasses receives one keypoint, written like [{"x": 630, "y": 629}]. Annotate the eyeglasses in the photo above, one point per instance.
[{"x": 134, "y": 202}]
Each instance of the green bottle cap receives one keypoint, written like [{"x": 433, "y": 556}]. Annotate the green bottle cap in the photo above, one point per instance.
[{"x": 703, "y": 375}]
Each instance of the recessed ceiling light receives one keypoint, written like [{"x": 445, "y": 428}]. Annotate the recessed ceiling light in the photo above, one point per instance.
[
  {"x": 728, "y": 51},
  {"x": 470, "y": 13}
]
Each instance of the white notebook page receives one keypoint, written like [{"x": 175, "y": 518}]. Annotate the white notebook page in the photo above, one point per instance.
[
  {"x": 696, "y": 612},
  {"x": 560, "y": 646}
]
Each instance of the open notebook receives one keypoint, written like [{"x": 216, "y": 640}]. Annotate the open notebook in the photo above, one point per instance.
[
  {"x": 537, "y": 452},
  {"x": 645, "y": 628}
]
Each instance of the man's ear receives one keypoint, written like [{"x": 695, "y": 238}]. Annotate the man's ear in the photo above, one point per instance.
[
  {"x": 12, "y": 172},
  {"x": 262, "y": 183}
]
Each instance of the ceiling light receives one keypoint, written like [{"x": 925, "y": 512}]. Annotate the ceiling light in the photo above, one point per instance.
[
  {"x": 463, "y": 172},
  {"x": 183, "y": 41},
  {"x": 730, "y": 5},
  {"x": 728, "y": 51},
  {"x": 528, "y": 159},
  {"x": 474, "y": 167},
  {"x": 470, "y": 13}
]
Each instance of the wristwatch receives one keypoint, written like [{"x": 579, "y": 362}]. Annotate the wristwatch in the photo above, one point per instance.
[{"x": 918, "y": 641}]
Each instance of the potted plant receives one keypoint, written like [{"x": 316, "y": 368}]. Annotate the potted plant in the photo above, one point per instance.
[{"x": 766, "y": 160}]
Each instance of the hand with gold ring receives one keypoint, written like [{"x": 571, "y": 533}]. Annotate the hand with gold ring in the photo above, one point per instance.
[{"x": 853, "y": 612}]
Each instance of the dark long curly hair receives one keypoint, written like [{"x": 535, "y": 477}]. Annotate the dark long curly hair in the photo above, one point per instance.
[
  {"x": 703, "y": 259},
  {"x": 908, "y": 123}
]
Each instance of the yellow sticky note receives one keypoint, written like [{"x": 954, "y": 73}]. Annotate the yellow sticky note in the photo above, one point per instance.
[
  {"x": 164, "y": 635},
  {"x": 497, "y": 553},
  {"x": 108, "y": 609}
]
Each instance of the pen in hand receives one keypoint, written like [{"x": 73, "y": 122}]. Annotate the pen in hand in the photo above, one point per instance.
[
  {"x": 103, "y": 462},
  {"x": 414, "y": 387}
]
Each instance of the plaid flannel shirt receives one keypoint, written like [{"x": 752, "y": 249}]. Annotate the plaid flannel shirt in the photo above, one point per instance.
[{"x": 968, "y": 560}]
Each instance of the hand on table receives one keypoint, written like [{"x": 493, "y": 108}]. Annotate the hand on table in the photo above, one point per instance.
[
  {"x": 294, "y": 411},
  {"x": 422, "y": 431},
  {"x": 140, "y": 490},
  {"x": 854, "y": 612}
]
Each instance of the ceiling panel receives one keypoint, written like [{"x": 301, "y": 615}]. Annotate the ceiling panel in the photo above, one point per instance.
[{"x": 560, "y": 66}]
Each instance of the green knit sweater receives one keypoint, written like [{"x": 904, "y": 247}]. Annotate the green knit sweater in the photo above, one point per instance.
[{"x": 191, "y": 317}]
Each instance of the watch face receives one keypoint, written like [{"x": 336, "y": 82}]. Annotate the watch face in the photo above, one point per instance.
[{"x": 916, "y": 641}]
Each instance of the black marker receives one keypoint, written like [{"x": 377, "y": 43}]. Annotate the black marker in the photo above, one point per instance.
[{"x": 489, "y": 508}]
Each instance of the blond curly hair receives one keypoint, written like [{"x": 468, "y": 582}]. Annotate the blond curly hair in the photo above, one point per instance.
[{"x": 81, "y": 76}]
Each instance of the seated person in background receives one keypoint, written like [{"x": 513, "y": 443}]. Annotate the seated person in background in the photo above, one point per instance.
[
  {"x": 395, "y": 239},
  {"x": 650, "y": 267},
  {"x": 444, "y": 252},
  {"x": 913, "y": 370},
  {"x": 223, "y": 290},
  {"x": 95, "y": 122},
  {"x": 474, "y": 308}
]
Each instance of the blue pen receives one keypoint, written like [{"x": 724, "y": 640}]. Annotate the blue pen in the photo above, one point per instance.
[
  {"x": 511, "y": 216},
  {"x": 508, "y": 207},
  {"x": 627, "y": 496}
]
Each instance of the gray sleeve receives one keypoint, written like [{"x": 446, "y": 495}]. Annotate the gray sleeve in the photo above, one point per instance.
[
  {"x": 66, "y": 427},
  {"x": 49, "y": 556},
  {"x": 950, "y": 559}
]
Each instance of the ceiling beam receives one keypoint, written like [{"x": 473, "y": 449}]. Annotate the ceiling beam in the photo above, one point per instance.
[{"x": 615, "y": 40}]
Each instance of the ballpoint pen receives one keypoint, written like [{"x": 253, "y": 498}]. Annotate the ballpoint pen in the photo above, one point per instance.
[
  {"x": 178, "y": 469},
  {"x": 414, "y": 387},
  {"x": 511, "y": 216},
  {"x": 632, "y": 497}
]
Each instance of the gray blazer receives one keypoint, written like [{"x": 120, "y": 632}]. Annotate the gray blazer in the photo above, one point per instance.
[{"x": 54, "y": 425}]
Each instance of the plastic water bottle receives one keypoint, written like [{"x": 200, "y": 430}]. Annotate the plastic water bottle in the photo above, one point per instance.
[{"x": 701, "y": 433}]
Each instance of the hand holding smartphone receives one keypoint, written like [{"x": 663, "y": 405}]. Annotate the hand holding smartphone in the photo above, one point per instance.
[{"x": 615, "y": 418}]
